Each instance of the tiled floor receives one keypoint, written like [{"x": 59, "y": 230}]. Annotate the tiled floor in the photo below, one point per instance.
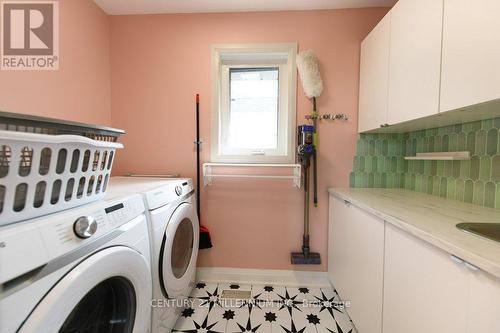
[{"x": 271, "y": 309}]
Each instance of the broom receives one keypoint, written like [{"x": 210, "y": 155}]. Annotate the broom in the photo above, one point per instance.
[{"x": 205, "y": 239}]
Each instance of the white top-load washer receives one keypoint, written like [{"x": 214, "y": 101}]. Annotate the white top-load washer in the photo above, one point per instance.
[
  {"x": 86, "y": 269},
  {"x": 174, "y": 232}
]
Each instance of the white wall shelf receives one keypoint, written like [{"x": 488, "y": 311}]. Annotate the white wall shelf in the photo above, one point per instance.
[
  {"x": 442, "y": 156},
  {"x": 209, "y": 174}
]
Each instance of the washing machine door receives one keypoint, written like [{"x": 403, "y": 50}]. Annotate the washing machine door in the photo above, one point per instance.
[
  {"x": 110, "y": 291},
  {"x": 179, "y": 252}
]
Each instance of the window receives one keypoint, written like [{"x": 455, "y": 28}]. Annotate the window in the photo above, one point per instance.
[{"x": 254, "y": 103}]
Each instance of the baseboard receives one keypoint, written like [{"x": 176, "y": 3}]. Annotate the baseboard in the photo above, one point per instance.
[{"x": 262, "y": 276}]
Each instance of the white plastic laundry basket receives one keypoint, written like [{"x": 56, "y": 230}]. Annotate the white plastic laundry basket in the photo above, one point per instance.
[{"x": 42, "y": 174}]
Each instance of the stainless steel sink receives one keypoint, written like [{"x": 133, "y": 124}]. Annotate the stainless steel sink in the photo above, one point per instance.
[{"x": 486, "y": 230}]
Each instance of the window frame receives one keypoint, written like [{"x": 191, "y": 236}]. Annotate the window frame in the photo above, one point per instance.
[{"x": 280, "y": 55}]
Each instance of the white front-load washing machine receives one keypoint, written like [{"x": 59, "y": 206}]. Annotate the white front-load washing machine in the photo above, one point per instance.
[
  {"x": 174, "y": 232},
  {"x": 86, "y": 269}
]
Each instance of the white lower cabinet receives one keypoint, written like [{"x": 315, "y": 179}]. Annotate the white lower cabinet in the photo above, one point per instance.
[
  {"x": 355, "y": 263},
  {"x": 398, "y": 283},
  {"x": 484, "y": 303},
  {"x": 424, "y": 289},
  {"x": 429, "y": 290}
]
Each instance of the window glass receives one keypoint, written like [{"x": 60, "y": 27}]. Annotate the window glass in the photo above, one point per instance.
[{"x": 253, "y": 111}]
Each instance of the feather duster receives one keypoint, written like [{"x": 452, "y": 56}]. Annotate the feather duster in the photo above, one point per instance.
[{"x": 308, "y": 67}]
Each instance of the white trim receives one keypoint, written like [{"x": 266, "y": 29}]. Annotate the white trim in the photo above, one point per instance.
[
  {"x": 262, "y": 276},
  {"x": 134, "y": 7},
  {"x": 286, "y": 51}
]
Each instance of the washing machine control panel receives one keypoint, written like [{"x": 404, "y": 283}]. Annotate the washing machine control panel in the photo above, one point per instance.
[
  {"x": 178, "y": 190},
  {"x": 122, "y": 212},
  {"x": 41, "y": 240},
  {"x": 85, "y": 226},
  {"x": 170, "y": 192}
]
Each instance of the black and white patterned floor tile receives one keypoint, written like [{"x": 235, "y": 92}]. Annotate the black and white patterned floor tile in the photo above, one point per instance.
[
  {"x": 234, "y": 286},
  {"x": 272, "y": 309},
  {"x": 269, "y": 292}
]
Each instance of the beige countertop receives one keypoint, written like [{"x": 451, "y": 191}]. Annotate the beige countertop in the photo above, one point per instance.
[{"x": 432, "y": 219}]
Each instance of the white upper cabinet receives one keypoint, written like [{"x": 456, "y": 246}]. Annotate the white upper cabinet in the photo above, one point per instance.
[
  {"x": 415, "y": 59},
  {"x": 471, "y": 53},
  {"x": 428, "y": 57},
  {"x": 374, "y": 75}
]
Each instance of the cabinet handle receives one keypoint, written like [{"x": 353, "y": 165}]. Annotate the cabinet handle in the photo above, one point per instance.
[
  {"x": 471, "y": 267},
  {"x": 459, "y": 261},
  {"x": 456, "y": 259}
]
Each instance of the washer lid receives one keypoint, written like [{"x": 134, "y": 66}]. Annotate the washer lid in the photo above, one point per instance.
[
  {"x": 117, "y": 276},
  {"x": 179, "y": 251}
]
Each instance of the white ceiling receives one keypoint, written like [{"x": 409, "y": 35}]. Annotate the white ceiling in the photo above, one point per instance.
[{"x": 128, "y": 7}]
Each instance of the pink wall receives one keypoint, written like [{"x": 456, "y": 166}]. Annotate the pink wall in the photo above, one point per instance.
[
  {"x": 159, "y": 62},
  {"x": 80, "y": 90}
]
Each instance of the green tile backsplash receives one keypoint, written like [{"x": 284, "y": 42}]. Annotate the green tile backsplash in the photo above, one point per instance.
[{"x": 379, "y": 162}]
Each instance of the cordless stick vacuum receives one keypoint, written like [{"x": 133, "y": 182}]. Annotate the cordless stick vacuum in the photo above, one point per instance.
[
  {"x": 308, "y": 67},
  {"x": 306, "y": 152}
]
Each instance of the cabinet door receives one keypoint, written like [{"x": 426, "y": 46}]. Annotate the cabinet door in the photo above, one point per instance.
[
  {"x": 484, "y": 303},
  {"x": 424, "y": 290},
  {"x": 471, "y": 53},
  {"x": 356, "y": 260},
  {"x": 373, "y": 77},
  {"x": 415, "y": 59}
]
